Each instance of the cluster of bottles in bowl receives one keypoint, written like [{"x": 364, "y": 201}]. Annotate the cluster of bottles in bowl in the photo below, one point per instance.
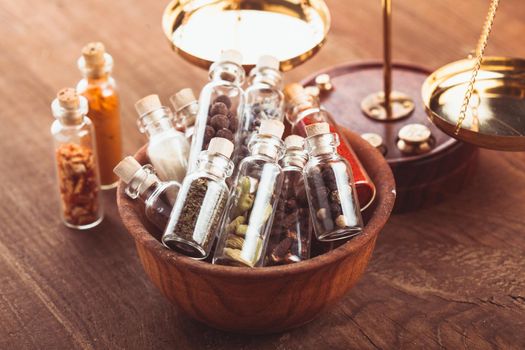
[{"x": 223, "y": 184}]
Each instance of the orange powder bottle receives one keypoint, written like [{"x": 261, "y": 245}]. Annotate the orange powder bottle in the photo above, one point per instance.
[{"x": 99, "y": 88}]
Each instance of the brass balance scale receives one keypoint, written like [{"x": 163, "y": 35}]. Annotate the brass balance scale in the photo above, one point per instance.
[{"x": 475, "y": 102}]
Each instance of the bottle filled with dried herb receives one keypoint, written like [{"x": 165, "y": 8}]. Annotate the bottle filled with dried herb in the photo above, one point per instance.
[
  {"x": 334, "y": 207},
  {"x": 292, "y": 228},
  {"x": 99, "y": 87},
  {"x": 304, "y": 109},
  {"x": 186, "y": 109},
  {"x": 255, "y": 195},
  {"x": 142, "y": 183},
  {"x": 201, "y": 202},
  {"x": 168, "y": 148},
  {"x": 220, "y": 105},
  {"x": 263, "y": 99},
  {"x": 76, "y": 161}
]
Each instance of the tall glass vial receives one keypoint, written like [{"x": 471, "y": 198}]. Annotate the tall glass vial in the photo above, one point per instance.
[
  {"x": 201, "y": 202},
  {"x": 167, "y": 148},
  {"x": 253, "y": 201},
  {"x": 334, "y": 206},
  {"x": 220, "y": 105},
  {"x": 304, "y": 109},
  {"x": 142, "y": 183},
  {"x": 186, "y": 109},
  {"x": 76, "y": 161},
  {"x": 263, "y": 99},
  {"x": 100, "y": 90},
  {"x": 292, "y": 228}
]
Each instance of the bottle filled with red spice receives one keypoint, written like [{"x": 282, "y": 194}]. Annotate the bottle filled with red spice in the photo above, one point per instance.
[{"x": 304, "y": 109}]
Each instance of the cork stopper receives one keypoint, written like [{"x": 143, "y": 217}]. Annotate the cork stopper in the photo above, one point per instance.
[
  {"x": 294, "y": 141},
  {"x": 294, "y": 91},
  {"x": 182, "y": 98},
  {"x": 93, "y": 54},
  {"x": 220, "y": 145},
  {"x": 148, "y": 104},
  {"x": 68, "y": 99},
  {"x": 232, "y": 56},
  {"x": 271, "y": 127},
  {"x": 317, "y": 129},
  {"x": 127, "y": 168},
  {"x": 268, "y": 61}
]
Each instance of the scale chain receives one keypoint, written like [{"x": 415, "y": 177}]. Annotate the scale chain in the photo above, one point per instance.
[{"x": 480, "y": 50}]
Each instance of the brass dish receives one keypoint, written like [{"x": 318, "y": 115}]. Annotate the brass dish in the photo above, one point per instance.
[
  {"x": 291, "y": 30},
  {"x": 495, "y": 118}
]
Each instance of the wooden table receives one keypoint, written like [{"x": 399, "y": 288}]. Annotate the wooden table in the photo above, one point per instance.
[{"x": 452, "y": 276}]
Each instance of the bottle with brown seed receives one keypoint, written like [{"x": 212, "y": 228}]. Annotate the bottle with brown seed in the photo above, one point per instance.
[
  {"x": 201, "y": 202},
  {"x": 76, "y": 161},
  {"x": 99, "y": 87},
  {"x": 221, "y": 104},
  {"x": 330, "y": 188}
]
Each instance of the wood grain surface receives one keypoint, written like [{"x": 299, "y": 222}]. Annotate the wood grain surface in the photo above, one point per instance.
[{"x": 451, "y": 276}]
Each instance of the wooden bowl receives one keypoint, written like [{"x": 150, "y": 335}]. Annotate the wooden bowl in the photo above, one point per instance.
[{"x": 269, "y": 299}]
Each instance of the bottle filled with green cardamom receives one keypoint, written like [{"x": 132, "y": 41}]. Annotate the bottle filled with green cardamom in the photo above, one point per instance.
[
  {"x": 201, "y": 202},
  {"x": 253, "y": 201}
]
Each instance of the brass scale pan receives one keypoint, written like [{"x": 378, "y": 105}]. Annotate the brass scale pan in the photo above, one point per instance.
[{"x": 294, "y": 30}]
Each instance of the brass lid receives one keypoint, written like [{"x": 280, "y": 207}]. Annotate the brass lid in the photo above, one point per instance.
[{"x": 200, "y": 29}]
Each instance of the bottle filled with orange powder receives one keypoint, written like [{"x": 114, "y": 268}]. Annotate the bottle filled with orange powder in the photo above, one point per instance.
[{"x": 99, "y": 88}]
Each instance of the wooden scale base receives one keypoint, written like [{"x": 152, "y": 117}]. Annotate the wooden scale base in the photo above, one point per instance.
[{"x": 421, "y": 179}]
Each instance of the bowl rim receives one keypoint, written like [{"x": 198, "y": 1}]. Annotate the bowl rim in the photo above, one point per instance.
[{"x": 386, "y": 194}]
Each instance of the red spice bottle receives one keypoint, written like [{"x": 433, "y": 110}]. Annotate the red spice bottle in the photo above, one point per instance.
[{"x": 304, "y": 109}]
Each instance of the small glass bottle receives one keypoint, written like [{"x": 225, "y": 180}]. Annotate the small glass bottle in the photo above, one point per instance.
[
  {"x": 201, "y": 202},
  {"x": 100, "y": 90},
  {"x": 292, "y": 228},
  {"x": 142, "y": 183},
  {"x": 253, "y": 201},
  {"x": 220, "y": 105},
  {"x": 186, "y": 109},
  {"x": 263, "y": 99},
  {"x": 167, "y": 148},
  {"x": 304, "y": 109},
  {"x": 76, "y": 161},
  {"x": 334, "y": 207}
]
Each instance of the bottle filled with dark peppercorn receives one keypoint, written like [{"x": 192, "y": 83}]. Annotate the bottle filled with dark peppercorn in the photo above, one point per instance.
[
  {"x": 263, "y": 99},
  {"x": 334, "y": 206},
  {"x": 253, "y": 201},
  {"x": 292, "y": 228},
  {"x": 142, "y": 183},
  {"x": 220, "y": 105},
  {"x": 201, "y": 202}
]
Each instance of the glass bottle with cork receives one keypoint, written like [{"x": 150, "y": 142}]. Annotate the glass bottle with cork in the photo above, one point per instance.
[
  {"x": 221, "y": 104},
  {"x": 76, "y": 161},
  {"x": 292, "y": 229},
  {"x": 142, "y": 183},
  {"x": 253, "y": 201},
  {"x": 186, "y": 109},
  {"x": 99, "y": 88},
  {"x": 201, "y": 202},
  {"x": 168, "y": 148},
  {"x": 334, "y": 206},
  {"x": 304, "y": 109},
  {"x": 263, "y": 99}
]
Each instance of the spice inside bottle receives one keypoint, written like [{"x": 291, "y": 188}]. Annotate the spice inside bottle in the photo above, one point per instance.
[
  {"x": 99, "y": 88},
  {"x": 76, "y": 161},
  {"x": 292, "y": 229},
  {"x": 263, "y": 99},
  {"x": 201, "y": 202},
  {"x": 186, "y": 109},
  {"x": 253, "y": 201},
  {"x": 221, "y": 104},
  {"x": 334, "y": 206},
  {"x": 142, "y": 183},
  {"x": 167, "y": 148},
  {"x": 303, "y": 110}
]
